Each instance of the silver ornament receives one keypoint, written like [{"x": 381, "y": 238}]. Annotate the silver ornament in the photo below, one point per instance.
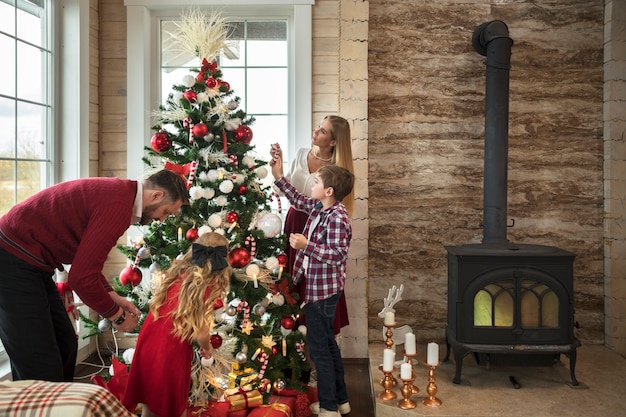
[
  {"x": 241, "y": 357},
  {"x": 231, "y": 311},
  {"x": 143, "y": 252},
  {"x": 104, "y": 325},
  {"x": 279, "y": 385},
  {"x": 258, "y": 309}
]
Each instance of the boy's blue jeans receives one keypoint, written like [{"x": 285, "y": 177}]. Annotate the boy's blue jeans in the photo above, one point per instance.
[{"x": 325, "y": 353}]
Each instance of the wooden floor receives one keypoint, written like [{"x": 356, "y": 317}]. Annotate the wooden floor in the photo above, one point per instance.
[
  {"x": 357, "y": 376},
  {"x": 360, "y": 392}
]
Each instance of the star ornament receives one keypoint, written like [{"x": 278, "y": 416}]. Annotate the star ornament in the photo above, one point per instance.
[
  {"x": 268, "y": 342},
  {"x": 246, "y": 328}
]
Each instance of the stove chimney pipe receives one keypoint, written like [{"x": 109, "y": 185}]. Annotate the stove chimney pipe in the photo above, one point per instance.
[{"x": 492, "y": 40}]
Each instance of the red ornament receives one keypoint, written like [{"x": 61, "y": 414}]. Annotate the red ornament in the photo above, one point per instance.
[
  {"x": 282, "y": 260},
  {"x": 211, "y": 82},
  {"x": 239, "y": 257},
  {"x": 242, "y": 190},
  {"x": 224, "y": 86},
  {"x": 160, "y": 142},
  {"x": 130, "y": 275},
  {"x": 232, "y": 217},
  {"x": 216, "y": 341},
  {"x": 200, "y": 130},
  {"x": 288, "y": 322},
  {"x": 243, "y": 134},
  {"x": 192, "y": 234},
  {"x": 190, "y": 96}
]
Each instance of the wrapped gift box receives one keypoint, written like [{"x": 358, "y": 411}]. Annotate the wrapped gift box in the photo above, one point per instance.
[
  {"x": 239, "y": 378},
  {"x": 244, "y": 399},
  {"x": 278, "y": 406}
]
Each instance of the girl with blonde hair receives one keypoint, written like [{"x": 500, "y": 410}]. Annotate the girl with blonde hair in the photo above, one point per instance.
[{"x": 181, "y": 312}]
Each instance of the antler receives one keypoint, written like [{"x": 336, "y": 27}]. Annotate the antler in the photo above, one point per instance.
[{"x": 394, "y": 295}]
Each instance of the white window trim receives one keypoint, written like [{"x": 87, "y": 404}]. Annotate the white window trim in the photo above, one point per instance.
[{"x": 142, "y": 50}]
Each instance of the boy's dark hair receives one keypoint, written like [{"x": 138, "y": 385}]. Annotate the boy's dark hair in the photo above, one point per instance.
[
  {"x": 174, "y": 186},
  {"x": 339, "y": 178}
]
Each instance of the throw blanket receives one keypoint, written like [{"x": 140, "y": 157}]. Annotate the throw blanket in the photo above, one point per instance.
[{"x": 58, "y": 399}]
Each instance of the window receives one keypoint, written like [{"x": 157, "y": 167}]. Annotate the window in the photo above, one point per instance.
[
  {"x": 282, "y": 68},
  {"x": 25, "y": 100}
]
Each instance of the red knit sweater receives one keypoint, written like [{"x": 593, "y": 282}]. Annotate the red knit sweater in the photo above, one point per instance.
[{"x": 76, "y": 222}]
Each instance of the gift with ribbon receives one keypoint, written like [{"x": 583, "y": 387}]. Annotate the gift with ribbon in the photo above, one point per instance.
[
  {"x": 278, "y": 406},
  {"x": 239, "y": 378},
  {"x": 243, "y": 398}
]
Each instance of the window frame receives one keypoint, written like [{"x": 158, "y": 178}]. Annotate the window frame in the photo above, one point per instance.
[{"x": 142, "y": 49}]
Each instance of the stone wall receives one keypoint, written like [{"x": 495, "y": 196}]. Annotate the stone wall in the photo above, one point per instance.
[{"x": 426, "y": 139}]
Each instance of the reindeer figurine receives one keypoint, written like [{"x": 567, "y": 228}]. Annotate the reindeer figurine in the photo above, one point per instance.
[{"x": 399, "y": 335}]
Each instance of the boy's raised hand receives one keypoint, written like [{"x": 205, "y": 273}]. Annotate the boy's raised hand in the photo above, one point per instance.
[{"x": 277, "y": 161}]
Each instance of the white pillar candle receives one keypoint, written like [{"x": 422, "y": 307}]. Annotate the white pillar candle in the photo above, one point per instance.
[
  {"x": 390, "y": 318},
  {"x": 409, "y": 344},
  {"x": 432, "y": 357},
  {"x": 405, "y": 371},
  {"x": 389, "y": 357}
]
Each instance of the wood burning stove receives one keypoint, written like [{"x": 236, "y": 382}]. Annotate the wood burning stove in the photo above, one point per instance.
[{"x": 505, "y": 299}]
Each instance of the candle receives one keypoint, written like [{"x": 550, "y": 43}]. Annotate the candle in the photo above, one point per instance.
[
  {"x": 432, "y": 358},
  {"x": 406, "y": 371},
  {"x": 389, "y": 356},
  {"x": 409, "y": 344},
  {"x": 256, "y": 282},
  {"x": 180, "y": 234},
  {"x": 280, "y": 273},
  {"x": 390, "y": 318}
]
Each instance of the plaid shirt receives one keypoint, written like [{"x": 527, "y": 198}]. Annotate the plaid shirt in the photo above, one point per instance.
[{"x": 327, "y": 247}]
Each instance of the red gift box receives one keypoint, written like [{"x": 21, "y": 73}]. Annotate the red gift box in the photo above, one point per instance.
[
  {"x": 239, "y": 413},
  {"x": 279, "y": 406},
  {"x": 211, "y": 409}
]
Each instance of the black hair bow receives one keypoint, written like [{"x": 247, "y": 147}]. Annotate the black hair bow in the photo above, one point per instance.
[{"x": 216, "y": 254}]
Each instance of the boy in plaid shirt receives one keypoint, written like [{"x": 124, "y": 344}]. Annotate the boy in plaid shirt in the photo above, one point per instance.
[{"x": 321, "y": 258}]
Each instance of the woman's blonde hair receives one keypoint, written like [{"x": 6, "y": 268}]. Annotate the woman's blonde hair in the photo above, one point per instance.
[
  {"x": 342, "y": 151},
  {"x": 194, "y": 310}
]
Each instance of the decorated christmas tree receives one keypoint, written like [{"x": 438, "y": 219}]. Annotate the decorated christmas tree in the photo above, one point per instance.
[{"x": 201, "y": 133}]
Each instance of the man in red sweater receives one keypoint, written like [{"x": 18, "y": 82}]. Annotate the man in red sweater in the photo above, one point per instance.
[{"x": 76, "y": 222}]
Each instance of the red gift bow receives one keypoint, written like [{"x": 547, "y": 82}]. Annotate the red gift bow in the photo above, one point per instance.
[
  {"x": 206, "y": 66},
  {"x": 283, "y": 288},
  {"x": 117, "y": 383},
  {"x": 181, "y": 170}
]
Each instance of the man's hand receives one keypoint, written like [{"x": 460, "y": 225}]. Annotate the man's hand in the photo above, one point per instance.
[{"x": 130, "y": 310}]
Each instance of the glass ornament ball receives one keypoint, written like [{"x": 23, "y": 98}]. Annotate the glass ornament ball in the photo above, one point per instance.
[
  {"x": 243, "y": 134},
  {"x": 279, "y": 385},
  {"x": 200, "y": 130},
  {"x": 241, "y": 357},
  {"x": 288, "y": 322},
  {"x": 192, "y": 234},
  {"x": 190, "y": 95},
  {"x": 160, "y": 142},
  {"x": 216, "y": 341},
  {"x": 232, "y": 217},
  {"x": 270, "y": 224},
  {"x": 258, "y": 309},
  {"x": 130, "y": 275},
  {"x": 282, "y": 260},
  {"x": 239, "y": 257},
  {"x": 231, "y": 311},
  {"x": 104, "y": 325}
]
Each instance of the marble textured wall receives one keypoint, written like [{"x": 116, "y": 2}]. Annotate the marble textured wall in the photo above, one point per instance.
[{"x": 426, "y": 138}]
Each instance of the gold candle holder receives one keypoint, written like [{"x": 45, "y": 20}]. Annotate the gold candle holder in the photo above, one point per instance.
[
  {"x": 431, "y": 389},
  {"x": 387, "y": 383},
  {"x": 406, "y": 403},
  {"x": 409, "y": 360},
  {"x": 389, "y": 334}
]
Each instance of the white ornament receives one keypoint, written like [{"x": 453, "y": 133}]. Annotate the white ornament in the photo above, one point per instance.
[
  {"x": 302, "y": 329},
  {"x": 220, "y": 231},
  {"x": 284, "y": 331},
  {"x": 278, "y": 299},
  {"x": 204, "y": 229},
  {"x": 154, "y": 268},
  {"x": 232, "y": 124},
  {"x": 239, "y": 178},
  {"x": 261, "y": 172},
  {"x": 253, "y": 270},
  {"x": 248, "y": 161},
  {"x": 189, "y": 80},
  {"x": 271, "y": 263},
  {"x": 208, "y": 193},
  {"x": 212, "y": 175},
  {"x": 215, "y": 220},
  {"x": 128, "y": 355},
  {"x": 270, "y": 224},
  {"x": 207, "y": 362},
  {"x": 226, "y": 186},
  {"x": 232, "y": 105},
  {"x": 196, "y": 192},
  {"x": 202, "y": 98},
  {"x": 221, "y": 200}
]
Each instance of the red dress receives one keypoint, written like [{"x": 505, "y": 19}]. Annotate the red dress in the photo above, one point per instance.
[
  {"x": 160, "y": 373},
  {"x": 294, "y": 223}
]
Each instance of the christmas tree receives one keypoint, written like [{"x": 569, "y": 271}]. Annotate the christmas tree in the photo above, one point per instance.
[{"x": 203, "y": 135}]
